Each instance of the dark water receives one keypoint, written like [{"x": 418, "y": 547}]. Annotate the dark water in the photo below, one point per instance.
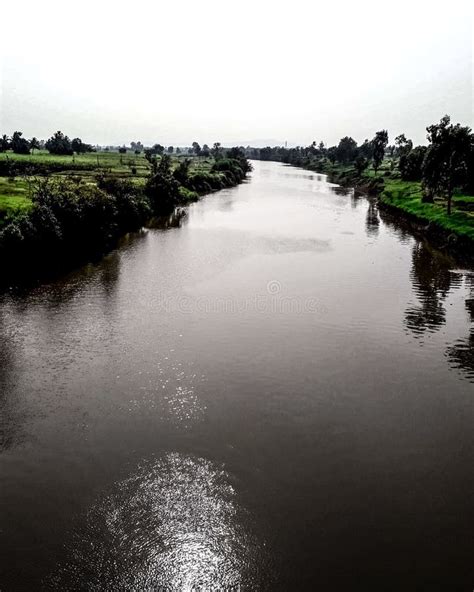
[{"x": 275, "y": 393}]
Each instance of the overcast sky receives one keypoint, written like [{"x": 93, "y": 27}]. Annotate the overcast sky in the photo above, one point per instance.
[{"x": 213, "y": 70}]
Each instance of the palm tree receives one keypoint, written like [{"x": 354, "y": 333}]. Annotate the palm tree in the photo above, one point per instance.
[{"x": 34, "y": 145}]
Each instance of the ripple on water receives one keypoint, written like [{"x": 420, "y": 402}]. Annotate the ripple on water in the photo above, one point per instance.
[{"x": 175, "y": 523}]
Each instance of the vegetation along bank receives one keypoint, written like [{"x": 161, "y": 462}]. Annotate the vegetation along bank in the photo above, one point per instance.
[
  {"x": 432, "y": 186},
  {"x": 62, "y": 202}
]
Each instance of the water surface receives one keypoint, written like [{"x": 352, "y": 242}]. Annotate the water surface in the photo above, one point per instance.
[{"x": 275, "y": 392}]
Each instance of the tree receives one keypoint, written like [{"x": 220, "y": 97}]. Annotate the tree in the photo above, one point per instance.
[
  {"x": 59, "y": 144},
  {"x": 122, "y": 150},
  {"x": 346, "y": 150},
  {"x": 18, "y": 144},
  {"x": 403, "y": 145},
  {"x": 170, "y": 149},
  {"x": 205, "y": 151},
  {"x": 332, "y": 154},
  {"x": 410, "y": 164},
  {"x": 178, "y": 150},
  {"x": 4, "y": 143},
  {"x": 158, "y": 149},
  {"x": 34, "y": 144},
  {"x": 360, "y": 164},
  {"x": 366, "y": 149},
  {"x": 379, "y": 143},
  {"x": 162, "y": 189},
  {"x": 196, "y": 148},
  {"x": 80, "y": 147},
  {"x": 216, "y": 150},
  {"x": 181, "y": 173},
  {"x": 445, "y": 165}
]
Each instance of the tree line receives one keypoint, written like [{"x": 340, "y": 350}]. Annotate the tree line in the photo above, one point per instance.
[
  {"x": 58, "y": 144},
  {"x": 444, "y": 165}
]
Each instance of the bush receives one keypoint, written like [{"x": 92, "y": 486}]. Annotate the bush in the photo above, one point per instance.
[{"x": 411, "y": 164}]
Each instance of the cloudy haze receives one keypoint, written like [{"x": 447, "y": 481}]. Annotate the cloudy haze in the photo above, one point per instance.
[{"x": 174, "y": 72}]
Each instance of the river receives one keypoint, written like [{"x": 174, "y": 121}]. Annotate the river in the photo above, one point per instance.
[{"x": 273, "y": 392}]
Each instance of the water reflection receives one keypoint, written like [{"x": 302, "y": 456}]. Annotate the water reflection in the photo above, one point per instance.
[
  {"x": 372, "y": 221},
  {"x": 461, "y": 354},
  {"x": 176, "y": 524},
  {"x": 173, "y": 220},
  {"x": 432, "y": 279}
]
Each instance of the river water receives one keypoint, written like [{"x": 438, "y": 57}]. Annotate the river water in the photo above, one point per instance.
[{"x": 274, "y": 392}]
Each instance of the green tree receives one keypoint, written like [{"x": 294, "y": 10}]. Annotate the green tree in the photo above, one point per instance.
[
  {"x": 18, "y": 144},
  {"x": 403, "y": 145},
  {"x": 445, "y": 165},
  {"x": 196, "y": 148},
  {"x": 216, "y": 150},
  {"x": 4, "y": 143},
  {"x": 360, "y": 164},
  {"x": 59, "y": 144},
  {"x": 379, "y": 143},
  {"x": 34, "y": 144},
  {"x": 410, "y": 164},
  {"x": 346, "y": 150}
]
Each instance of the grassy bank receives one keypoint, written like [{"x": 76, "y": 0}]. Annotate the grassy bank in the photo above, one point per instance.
[
  {"x": 405, "y": 197},
  {"x": 18, "y": 173},
  {"x": 56, "y": 213}
]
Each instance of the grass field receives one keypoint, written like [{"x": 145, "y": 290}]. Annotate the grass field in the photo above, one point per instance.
[{"x": 15, "y": 192}]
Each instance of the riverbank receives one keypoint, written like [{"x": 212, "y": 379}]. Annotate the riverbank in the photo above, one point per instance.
[
  {"x": 69, "y": 216},
  {"x": 404, "y": 199}
]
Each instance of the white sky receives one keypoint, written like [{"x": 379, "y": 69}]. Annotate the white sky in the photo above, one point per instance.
[{"x": 176, "y": 71}]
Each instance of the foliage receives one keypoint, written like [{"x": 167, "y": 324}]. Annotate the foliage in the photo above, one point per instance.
[
  {"x": 411, "y": 163},
  {"x": 4, "y": 143},
  {"x": 379, "y": 143},
  {"x": 181, "y": 173},
  {"x": 361, "y": 164},
  {"x": 446, "y": 162},
  {"x": 59, "y": 144},
  {"x": 79, "y": 147},
  {"x": 18, "y": 144},
  {"x": 346, "y": 150}
]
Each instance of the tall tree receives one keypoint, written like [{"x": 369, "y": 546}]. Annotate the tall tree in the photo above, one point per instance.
[
  {"x": 346, "y": 150},
  {"x": 216, "y": 150},
  {"x": 34, "y": 144},
  {"x": 403, "y": 144},
  {"x": 379, "y": 143},
  {"x": 18, "y": 144},
  {"x": 445, "y": 165},
  {"x": 4, "y": 143}
]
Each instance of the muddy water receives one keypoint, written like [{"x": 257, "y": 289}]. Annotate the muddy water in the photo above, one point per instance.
[{"x": 275, "y": 392}]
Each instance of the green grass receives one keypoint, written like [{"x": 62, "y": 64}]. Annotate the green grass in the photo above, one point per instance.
[
  {"x": 14, "y": 192},
  {"x": 406, "y": 196},
  {"x": 14, "y": 197}
]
